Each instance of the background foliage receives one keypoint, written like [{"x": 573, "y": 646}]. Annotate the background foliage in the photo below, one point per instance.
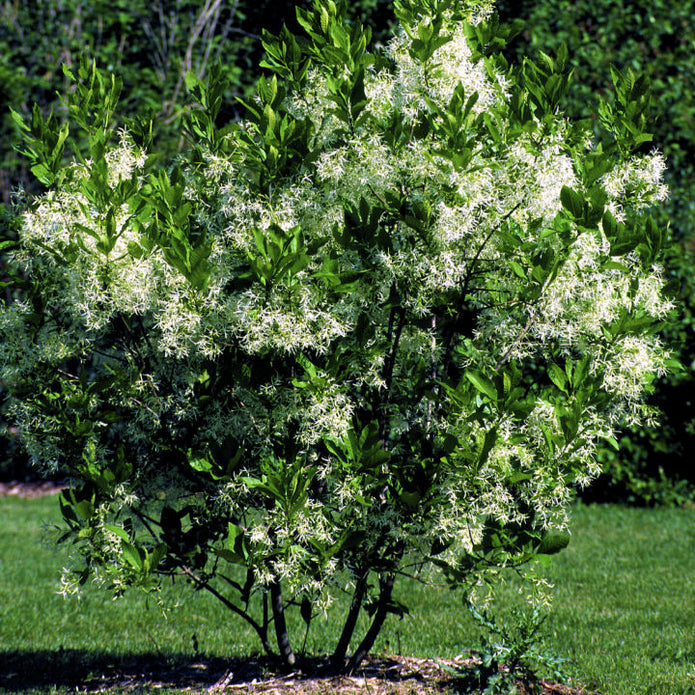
[{"x": 149, "y": 44}]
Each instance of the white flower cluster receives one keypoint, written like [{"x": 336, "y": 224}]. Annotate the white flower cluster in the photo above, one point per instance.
[{"x": 638, "y": 183}]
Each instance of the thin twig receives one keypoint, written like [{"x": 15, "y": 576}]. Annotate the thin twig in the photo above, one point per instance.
[{"x": 520, "y": 337}]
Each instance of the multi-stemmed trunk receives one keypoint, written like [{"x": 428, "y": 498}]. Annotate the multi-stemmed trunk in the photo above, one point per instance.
[
  {"x": 340, "y": 662},
  {"x": 385, "y": 590}
]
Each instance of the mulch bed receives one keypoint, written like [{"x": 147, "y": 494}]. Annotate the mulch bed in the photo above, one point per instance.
[
  {"x": 33, "y": 489},
  {"x": 393, "y": 675}
]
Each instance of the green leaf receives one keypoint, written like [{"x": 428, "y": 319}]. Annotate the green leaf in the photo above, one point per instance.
[
  {"x": 489, "y": 442},
  {"x": 572, "y": 201},
  {"x": 157, "y": 555},
  {"x": 613, "y": 443},
  {"x": 84, "y": 509},
  {"x": 4, "y": 245},
  {"x": 517, "y": 269},
  {"x": 132, "y": 556},
  {"x": 199, "y": 463},
  {"x": 611, "y": 227},
  {"x": 553, "y": 542},
  {"x": 557, "y": 376},
  {"x": 482, "y": 383},
  {"x": 236, "y": 545}
]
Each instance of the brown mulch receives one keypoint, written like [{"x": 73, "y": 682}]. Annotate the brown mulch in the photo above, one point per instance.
[
  {"x": 392, "y": 675},
  {"x": 35, "y": 489}
]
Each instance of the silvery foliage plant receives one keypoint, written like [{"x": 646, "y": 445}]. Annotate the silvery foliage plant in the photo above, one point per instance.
[{"x": 378, "y": 326}]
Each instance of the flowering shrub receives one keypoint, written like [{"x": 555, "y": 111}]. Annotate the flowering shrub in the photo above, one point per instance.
[{"x": 381, "y": 324}]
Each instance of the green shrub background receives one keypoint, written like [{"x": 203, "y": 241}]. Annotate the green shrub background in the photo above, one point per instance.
[{"x": 151, "y": 44}]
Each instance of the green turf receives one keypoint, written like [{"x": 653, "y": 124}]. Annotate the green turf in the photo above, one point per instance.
[
  {"x": 624, "y": 610},
  {"x": 625, "y": 600}
]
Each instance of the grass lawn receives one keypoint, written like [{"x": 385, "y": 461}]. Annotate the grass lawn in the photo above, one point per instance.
[{"x": 624, "y": 611}]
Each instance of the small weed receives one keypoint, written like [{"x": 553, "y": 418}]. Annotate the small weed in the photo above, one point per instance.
[{"x": 512, "y": 653}]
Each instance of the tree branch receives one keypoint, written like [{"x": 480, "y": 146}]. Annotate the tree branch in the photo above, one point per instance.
[
  {"x": 385, "y": 592},
  {"x": 524, "y": 331},
  {"x": 262, "y": 632}
]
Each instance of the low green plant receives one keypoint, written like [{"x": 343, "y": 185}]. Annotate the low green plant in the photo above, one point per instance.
[
  {"x": 512, "y": 653},
  {"x": 378, "y": 326}
]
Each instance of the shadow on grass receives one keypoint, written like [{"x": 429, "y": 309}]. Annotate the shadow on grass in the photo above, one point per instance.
[{"x": 67, "y": 669}]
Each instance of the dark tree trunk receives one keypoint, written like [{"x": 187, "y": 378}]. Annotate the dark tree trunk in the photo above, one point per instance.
[
  {"x": 385, "y": 591},
  {"x": 338, "y": 658},
  {"x": 286, "y": 653}
]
